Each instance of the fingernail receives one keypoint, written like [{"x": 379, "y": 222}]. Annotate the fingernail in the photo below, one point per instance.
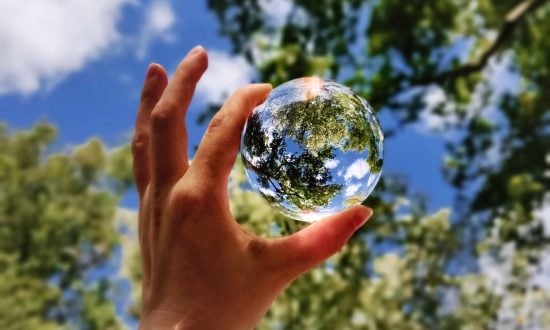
[
  {"x": 195, "y": 50},
  {"x": 362, "y": 217},
  {"x": 152, "y": 71}
]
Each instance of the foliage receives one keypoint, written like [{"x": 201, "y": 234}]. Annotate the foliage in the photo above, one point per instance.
[
  {"x": 300, "y": 179},
  {"x": 56, "y": 228}
]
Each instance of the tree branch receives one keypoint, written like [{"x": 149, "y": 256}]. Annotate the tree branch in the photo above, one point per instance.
[{"x": 511, "y": 22}]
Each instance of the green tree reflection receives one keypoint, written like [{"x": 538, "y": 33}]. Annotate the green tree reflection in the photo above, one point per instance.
[
  {"x": 338, "y": 121},
  {"x": 299, "y": 178}
]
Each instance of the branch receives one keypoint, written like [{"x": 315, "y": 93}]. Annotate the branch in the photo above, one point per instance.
[{"x": 511, "y": 22}]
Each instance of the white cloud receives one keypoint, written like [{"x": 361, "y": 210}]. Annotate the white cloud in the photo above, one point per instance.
[
  {"x": 434, "y": 96},
  {"x": 159, "y": 21},
  {"x": 268, "y": 192},
  {"x": 331, "y": 163},
  {"x": 276, "y": 10},
  {"x": 431, "y": 121},
  {"x": 542, "y": 277},
  {"x": 497, "y": 272},
  {"x": 224, "y": 75},
  {"x": 352, "y": 189},
  {"x": 440, "y": 115},
  {"x": 358, "y": 169},
  {"x": 126, "y": 221},
  {"x": 275, "y": 14},
  {"x": 502, "y": 79},
  {"x": 42, "y": 41},
  {"x": 543, "y": 214}
]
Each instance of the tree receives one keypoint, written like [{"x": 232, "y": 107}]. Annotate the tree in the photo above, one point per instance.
[
  {"x": 396, "y": 54},
  {"x": 56, "y": 230},
  {"x": 299, "y": 179}
]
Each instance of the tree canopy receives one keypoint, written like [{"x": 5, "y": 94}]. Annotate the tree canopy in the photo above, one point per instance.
[{"x": 56, "y": 229}]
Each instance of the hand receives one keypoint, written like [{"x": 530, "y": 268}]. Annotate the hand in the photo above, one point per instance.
[{"x": 200, "y": 268}]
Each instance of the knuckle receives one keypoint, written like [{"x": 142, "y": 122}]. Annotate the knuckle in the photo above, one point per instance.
[
  {"x": 242, "y": 91},
  {"x": 246, "y": 89},
  {"x": 184, "y": 200},
  {"x": 334, "y": 248},
  {"x": 187, "y": 75},
  {"x": 148, "y": 94},
  {"x": 162, "y": 117},
  {"x": 192, "y": 197},
  {"x": 168, "y": 105},
  {"x": 335, "y": 245},
  {"x": 216, "y": 122},
  {"x": 246, "y": 98},
  {"x": 243, "y": 94},
  {"x": 188, "y": 82},
  {"x": 140, "y": 142},
  {"x": 257, "y": 247},
  {"x": 193, "y": 67}
]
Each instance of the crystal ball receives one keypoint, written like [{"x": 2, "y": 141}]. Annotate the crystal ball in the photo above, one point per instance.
[{"x": 313, "y": 148}]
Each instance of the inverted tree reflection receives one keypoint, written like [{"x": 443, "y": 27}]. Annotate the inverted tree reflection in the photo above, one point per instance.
[{"x": 299, "y": 177}]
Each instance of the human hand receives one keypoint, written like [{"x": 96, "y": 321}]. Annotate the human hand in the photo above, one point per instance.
[{"x": 200, "y": 268}]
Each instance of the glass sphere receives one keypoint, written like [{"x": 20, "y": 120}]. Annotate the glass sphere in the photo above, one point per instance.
[{"x": 313, "y": 148}]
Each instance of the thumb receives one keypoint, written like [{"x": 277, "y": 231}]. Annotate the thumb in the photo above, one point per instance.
[{"x": 317, "y": 242}]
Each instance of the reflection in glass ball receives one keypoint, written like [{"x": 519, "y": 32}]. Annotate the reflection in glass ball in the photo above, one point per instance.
[{"x": 313, "y": 148}]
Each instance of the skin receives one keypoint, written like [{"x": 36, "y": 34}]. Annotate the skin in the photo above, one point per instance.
[{"x": 201, "y": 270}]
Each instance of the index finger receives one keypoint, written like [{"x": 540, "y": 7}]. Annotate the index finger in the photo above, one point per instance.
[{"x": 220, "y": 145}]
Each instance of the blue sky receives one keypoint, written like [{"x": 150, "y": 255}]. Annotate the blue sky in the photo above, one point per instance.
[{"x": 88, "y": 84}]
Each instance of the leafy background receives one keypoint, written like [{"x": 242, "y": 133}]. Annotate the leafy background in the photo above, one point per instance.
[{"x": 461, "y": 233}]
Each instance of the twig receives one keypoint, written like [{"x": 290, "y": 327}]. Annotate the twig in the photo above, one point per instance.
[{"x": 511, "y": 21}]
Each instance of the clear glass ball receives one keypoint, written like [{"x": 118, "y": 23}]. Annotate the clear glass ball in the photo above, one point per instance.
[{"x": 313, "y": 148}]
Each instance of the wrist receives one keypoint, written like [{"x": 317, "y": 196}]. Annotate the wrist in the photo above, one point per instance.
[{"x": 159, "y": 320}]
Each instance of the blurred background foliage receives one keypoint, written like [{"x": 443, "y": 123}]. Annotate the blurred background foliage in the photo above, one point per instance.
[
  {"x": 56, "y": 216},
  {"x": 407, "y": 268}
]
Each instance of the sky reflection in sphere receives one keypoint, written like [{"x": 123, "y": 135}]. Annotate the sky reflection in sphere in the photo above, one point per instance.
[{"x": 313, "y": 148}]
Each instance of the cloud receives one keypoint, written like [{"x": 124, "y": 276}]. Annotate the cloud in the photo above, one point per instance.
[
  {"x": 159, "y": 21},
  {"x": 496, "y": 270},
  {"x": 224, "y": 75},
  {"x": 352, "y": 189},
  {"x": 440, "y": 114},
  {"x": 45, "y": 40},
  {"x": 501, "y": 77},
  {"x": 331, "y": 163},
  {"x": 358, "y": 169},
  {"x": 268, "y": 192},
  {"x": 542, "y": 277},
  {"x": 433, "y": 98},
  {"x": 126, "y": 223},
  {"x": 275, "y": 14},
  {"x": 276, "y": 11},
  {"x": 542, "y": 214}
]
